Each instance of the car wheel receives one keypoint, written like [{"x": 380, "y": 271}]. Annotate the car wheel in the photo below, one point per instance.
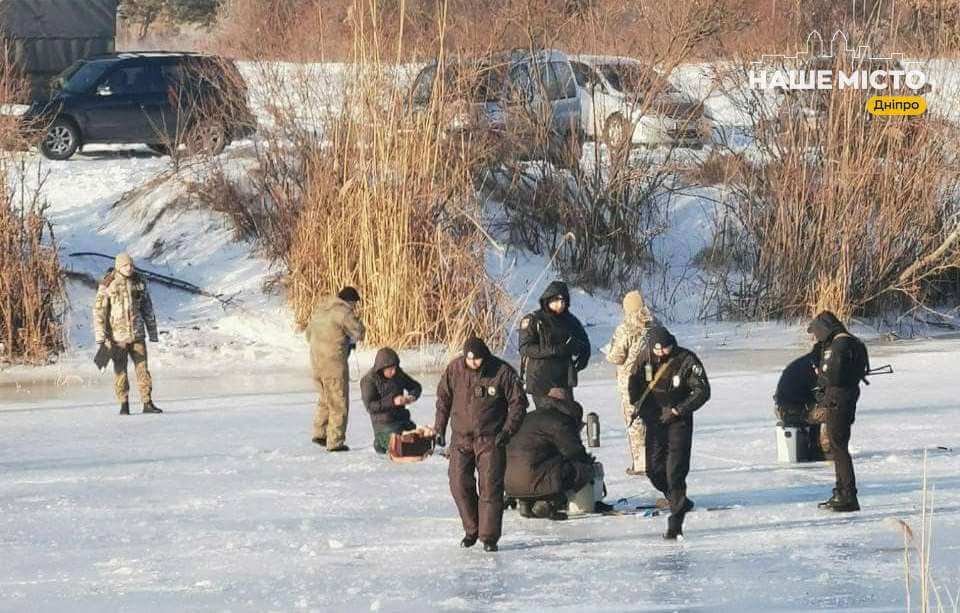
[
  {"x": 61, "y": 140},
  {"x": 158, "y": 148},
  {"x": 617, "y": 131},
  {"x": 209, "y": 138}
]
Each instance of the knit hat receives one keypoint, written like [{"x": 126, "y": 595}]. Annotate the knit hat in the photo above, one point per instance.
[
  {"x": 659, "y": 337},
  {"x": 476, "y": 348},
  {"x": 633, "y": 302},
  {"x": 349, "y": 294}
]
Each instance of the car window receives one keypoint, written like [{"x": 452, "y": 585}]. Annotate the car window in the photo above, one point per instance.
[
  {"x": 521, "y": 85},
  {"x": 582, "y": 73},
  {"x": 563, "y": 80},
  {"x": 135, "y": 79},
  {"x": 423, "y": 86},
  {"x": 80, "y": 77}
]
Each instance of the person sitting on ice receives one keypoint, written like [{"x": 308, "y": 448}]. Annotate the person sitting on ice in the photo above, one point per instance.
[
  {"x": 386, "y": 392},
  {"x": 546, "y": 461}
]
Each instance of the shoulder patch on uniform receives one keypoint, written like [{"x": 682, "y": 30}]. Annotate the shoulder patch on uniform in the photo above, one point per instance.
[{"x": 697, "y": 369}]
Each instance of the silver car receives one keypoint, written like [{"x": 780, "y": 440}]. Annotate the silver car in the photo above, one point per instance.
[
  {"x": 525, "y": 101},
  {"x": 624, "y": 101}
]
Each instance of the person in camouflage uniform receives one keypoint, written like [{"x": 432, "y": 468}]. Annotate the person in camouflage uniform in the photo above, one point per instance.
[
  {"x": 333, "y": 331},
  {"x": 122, "y": 317},
  {"x": 627, "y": 348}
]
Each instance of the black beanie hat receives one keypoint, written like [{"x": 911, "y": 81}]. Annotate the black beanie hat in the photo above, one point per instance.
[
  {"x": 476, "y": 348},
  {"x": 348, "y": 294},
  {"x": 658, "y": 335}
]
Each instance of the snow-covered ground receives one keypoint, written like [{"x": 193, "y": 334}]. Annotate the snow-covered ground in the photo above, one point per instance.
[{"x": 222, "y": 503}]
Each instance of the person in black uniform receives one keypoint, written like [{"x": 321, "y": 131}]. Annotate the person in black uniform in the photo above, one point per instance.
[
  {"x": 670, "y": 384},
  {"x": 554, "y": 347},
  {"x": 843, "y": 363}
]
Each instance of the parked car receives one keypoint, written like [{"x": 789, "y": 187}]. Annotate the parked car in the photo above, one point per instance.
[
  {"x": 161, "y": 99},
  {"x": 524, "y": 102},
  {"x": 623, "y": 100}
]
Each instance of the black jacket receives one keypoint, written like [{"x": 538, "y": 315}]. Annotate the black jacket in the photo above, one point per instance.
[
  {"x": 539, "y": 454},
  {"x": 553, "y": 348},
  {"x": 842, "y": 362},
  {"x": 798, "y": 380},
  {"x": 378, "y": 392},
  {"x": 683, "y": 386}
]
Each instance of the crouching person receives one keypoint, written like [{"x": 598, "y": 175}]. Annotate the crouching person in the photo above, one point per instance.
[
  {"x": 546, "y": 462},
  {"x": 386, "y": 392}
]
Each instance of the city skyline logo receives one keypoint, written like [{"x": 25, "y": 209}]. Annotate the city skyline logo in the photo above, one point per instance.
[{"x": 838, "y": 66}]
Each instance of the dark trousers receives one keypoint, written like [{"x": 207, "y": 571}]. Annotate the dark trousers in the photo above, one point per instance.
[
  {"x": 476, "y": 482},
  {"x": 381, "y": 436},
  {"x": 839, "y": 421},
  {"x": 668, "y": 459}
]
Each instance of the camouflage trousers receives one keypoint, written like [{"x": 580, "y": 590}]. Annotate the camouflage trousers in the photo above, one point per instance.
[
  {"x": 136, "y": 351},
  {"x": 636, "y": 435},
  {"x": 330, "y": 418}
]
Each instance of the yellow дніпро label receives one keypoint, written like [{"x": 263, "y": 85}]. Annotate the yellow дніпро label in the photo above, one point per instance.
[{"x": 896, "y": 105}]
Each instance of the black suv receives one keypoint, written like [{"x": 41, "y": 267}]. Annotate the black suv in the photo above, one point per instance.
[{"x": 161, "y": 99}]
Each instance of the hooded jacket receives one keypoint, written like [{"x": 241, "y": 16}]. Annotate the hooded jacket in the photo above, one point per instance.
[
  {"x": 842, "y": 362},
  {"x": 379, "y": 392},
  {"x": 546, "y": 454},
  {"x": 332, "y": 329},
  {"x": 479, "y": 403},
  {"x": 553, "y": 348}
]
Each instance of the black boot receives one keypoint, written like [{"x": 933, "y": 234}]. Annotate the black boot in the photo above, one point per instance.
[
  {"x": 524, "y": 508},
  {"x": 829, "y": 502},
  {"x": 149, "y": 407},
  {"x": 846, "y": 502},
  {"x": 490, "y": 546},
  {"x": 675, "y": 521},
  {"x": 125, "y": 408},
  {"x": 319, "y": 441},
  {"x": 468, "y": 541},
  {"x": 340, "y": 447}
]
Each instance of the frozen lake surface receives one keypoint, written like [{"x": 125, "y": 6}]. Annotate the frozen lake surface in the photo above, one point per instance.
[{"x": 223, "y": 503}]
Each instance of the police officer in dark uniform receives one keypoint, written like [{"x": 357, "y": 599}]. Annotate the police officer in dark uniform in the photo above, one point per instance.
[
  {"x": 482, "y": 398},
  {"x": 670, "y": 384},
  {"x": 554, "y": 347},
  {"x": 843, "y": 363}
]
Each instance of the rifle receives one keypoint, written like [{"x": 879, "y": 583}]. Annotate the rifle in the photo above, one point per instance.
[{"x": 886, "y": 369}]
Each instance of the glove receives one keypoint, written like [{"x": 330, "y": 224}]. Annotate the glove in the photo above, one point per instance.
[
  {"x": 440, "y": 440},
  {"x": 667, "y": 416},
  {"x": 503, "y": 439},
  {"x": 106, "y": 344}
]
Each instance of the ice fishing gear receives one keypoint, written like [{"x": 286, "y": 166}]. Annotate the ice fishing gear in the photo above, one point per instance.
[
  {"x": 886, "y": 369},
  {"x": 412, "y": 445},
  {"x": 652, "y": 381},
  {"x": 593, "y": 430}
]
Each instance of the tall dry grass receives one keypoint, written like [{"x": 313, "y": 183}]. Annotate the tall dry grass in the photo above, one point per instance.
[
  {"x": 842, "y": 210},
  {"x": 32, "y": 293}
]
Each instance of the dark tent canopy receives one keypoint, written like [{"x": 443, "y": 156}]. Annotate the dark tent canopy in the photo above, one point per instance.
[{"x": 45, "y": 36}]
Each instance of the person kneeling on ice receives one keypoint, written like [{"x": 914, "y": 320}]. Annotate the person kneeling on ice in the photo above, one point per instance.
[
  {"x": 386, "y": 392},
  {"x": 668, "y": 387},
  {"x": 546, "y": 461}
]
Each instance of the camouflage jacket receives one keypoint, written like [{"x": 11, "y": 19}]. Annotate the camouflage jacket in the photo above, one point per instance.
[
  {"x": 123, "y": 311},
  {"x": 332, "y": 330},
  {"x": 627, "y": 345}
]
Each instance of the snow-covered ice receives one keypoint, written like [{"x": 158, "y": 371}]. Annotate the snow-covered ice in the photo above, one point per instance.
[{"x": 223, "y": 503}]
